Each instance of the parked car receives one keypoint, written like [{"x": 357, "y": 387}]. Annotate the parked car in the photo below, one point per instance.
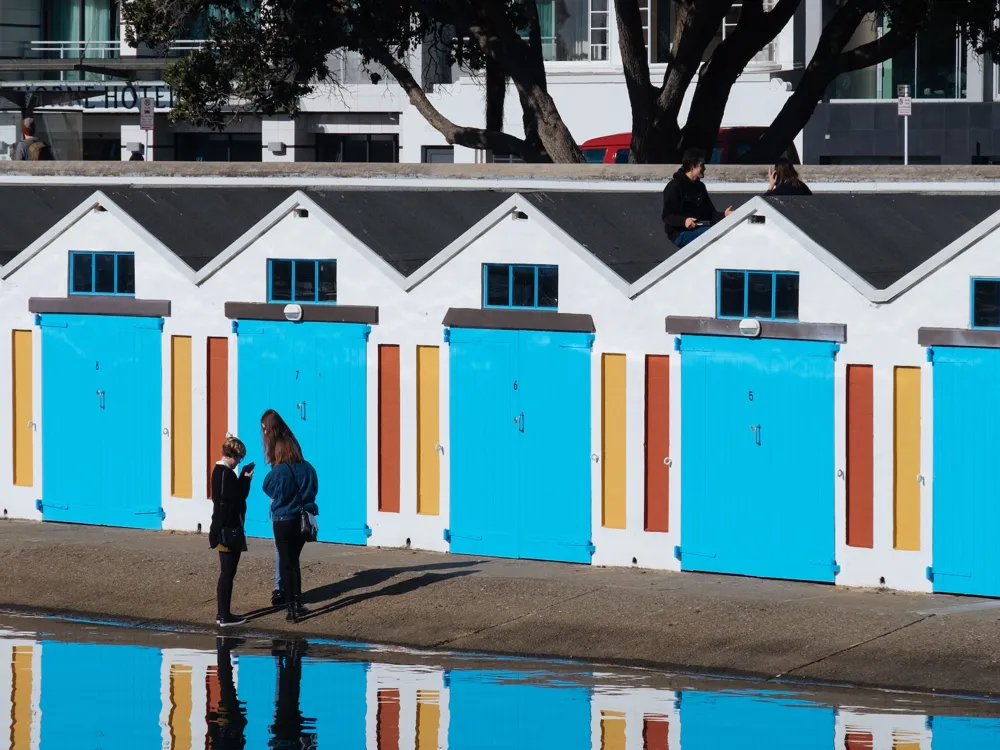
[{"x": 730, "y": 146}]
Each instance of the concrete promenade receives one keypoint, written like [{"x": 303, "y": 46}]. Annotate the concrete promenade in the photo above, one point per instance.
[{"x": 705, "y": 623}]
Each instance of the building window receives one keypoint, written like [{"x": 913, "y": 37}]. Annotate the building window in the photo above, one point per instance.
[
  {"x": 102, "y": 273},
  {"x": 766, "y": 295},
  {"x": 236, "y": 147},
  {"x": 358, "y": 147},
  {"x": 302, "y": 281},
  {"x": 573, "y": 30},
  {"x": 437, "y": 154},
  {"x": 533, "y": 287},
  {"x": 986, "y": 303},
  {"x": 935, "y": 67}
]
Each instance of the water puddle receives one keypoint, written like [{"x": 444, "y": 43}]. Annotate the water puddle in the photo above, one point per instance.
[{"x": 80, "y": 686}]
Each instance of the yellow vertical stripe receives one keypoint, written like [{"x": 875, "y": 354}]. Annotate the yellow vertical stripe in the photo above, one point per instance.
[
  {"x": 20, "y": 710},
  {"x": 613, "y": 441},
  {"x": 612, "y": 730},
  {"x": 181, "y": 706},
  {"x": 906, "y": 458},
  {"x": 428, "y": 719},
  {"x": 24, "y": 438},
  {"x": 180, "y": 416},
  {"x": 428, "y": 431}
]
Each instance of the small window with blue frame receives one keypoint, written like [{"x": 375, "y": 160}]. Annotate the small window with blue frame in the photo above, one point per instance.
[
  {"x": 309, "y": 281},
  {"x": 111, "y": 274},
  {"x": 520, "y": 286},
  {"x": 765, "y": 295},
  {"x": 986, "y": 303}
]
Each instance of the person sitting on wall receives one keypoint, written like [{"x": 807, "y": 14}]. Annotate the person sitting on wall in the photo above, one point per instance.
[
  {"x": 783, "y": 179},
  {"x": 688, "y": 211},
  {"x": 31, "y": 148}
]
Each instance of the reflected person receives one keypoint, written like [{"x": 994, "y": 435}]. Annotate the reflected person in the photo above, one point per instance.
[
  {"x": 289, "y": 727},
  {"x": 226, "y": 722}
]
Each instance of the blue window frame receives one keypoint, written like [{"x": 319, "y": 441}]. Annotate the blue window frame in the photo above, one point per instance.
[
  {"x": 102, "y": 273},
  {"x": 302, "y": 281},
  {"x": 765, "y": 295},
  {"x": 510, "y": 285},
  {"x": 985, "y": 305}
]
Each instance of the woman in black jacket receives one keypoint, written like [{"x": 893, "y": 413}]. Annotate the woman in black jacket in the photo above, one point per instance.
[
  {"x": 783, "y": 179},
  {"x": 229, "y": 509}
]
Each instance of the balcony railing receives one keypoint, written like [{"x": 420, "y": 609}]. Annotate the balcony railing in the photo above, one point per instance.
[{"x": 68, "y": 50}]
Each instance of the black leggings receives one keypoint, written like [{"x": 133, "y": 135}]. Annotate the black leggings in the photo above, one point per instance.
[
  {"x": 228, "y": 563},
  {"x": 289, "y": 540}
]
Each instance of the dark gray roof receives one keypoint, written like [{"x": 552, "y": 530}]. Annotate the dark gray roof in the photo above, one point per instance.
[
  {"x": 408, "y": 227},
  {"x": 27, "y": 212},
  {"x": 623, "y": 230},
  {"x": 884, "y": 236},
  {"x": 197, "y": 223}
]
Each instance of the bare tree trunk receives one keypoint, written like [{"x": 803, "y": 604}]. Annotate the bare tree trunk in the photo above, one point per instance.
[{"x": 496, "y": 95}]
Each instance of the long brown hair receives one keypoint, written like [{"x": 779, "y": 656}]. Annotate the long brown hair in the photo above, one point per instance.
[
  {"x": 286, "y": 451},
  {"x": 785, "y": 173},
  {"x": 272, "y": 429}
]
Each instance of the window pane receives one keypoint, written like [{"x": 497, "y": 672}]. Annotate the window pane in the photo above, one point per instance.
[
  {"x": 986, "y": 304},
  {"x": 383, "y": 149},
  {"x": 548, "y": 287},
  {"x": 126, "y": 274},
  {"x": 328, "y": 281},
  {"x": 104, "y": 273},
  {"x": 621, "y": 156},
  {"x": 939, "y": 75},
  {"x": 83, "y": 266},
  {"x": 786, "y": 296},
  {"x": 593, "y": 155},
  {"x": 759, "y": 295},
  {"x": 355, "y": 148},
  {"x": 281, "y": 280},
  {"x": 497, "y": 285},
  {"x": 524, "y": 286},
  {"x": 731, "y": 302},
  {"x": 305, "y": 281}
]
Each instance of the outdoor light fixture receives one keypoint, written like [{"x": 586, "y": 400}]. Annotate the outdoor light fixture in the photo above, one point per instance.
[
  {"x": 276, "y": 147},
  {"x": 519, "y": 216},
  {"x": 750, "y": 327},
  {"x": 293, "y": 313},
  {"x": 302, "y": 213}
]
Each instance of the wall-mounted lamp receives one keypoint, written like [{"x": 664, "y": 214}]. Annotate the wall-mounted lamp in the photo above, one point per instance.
[
  {"x": 100, "y": 209},
  {"x": 276, "y": 147},
  {"x": 750, "y": 327},
  {"x": 519, "y": 216},
  {"x": 758, "y": 219},
  {"x": 302, "y": 213},
  {"x": 293, "y": 313}
]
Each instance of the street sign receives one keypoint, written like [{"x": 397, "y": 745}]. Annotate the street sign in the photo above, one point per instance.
[
  {"x": 905, "y": 108},
  {"x": 146, "y": 105}
]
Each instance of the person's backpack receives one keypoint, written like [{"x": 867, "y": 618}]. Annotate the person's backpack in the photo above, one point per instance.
[{"x": 39, "y": 151}]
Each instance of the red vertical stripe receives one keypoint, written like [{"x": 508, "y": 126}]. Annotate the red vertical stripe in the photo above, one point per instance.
[
  {"x": 388, "y": 428},
  {"x": 859, "y": 741},
  {"x": 387, "y": 720},
  {"x": 218, "y": 401},
  {"x": 860, "y": 456},
  {"x": 657, "y": 442},
  {"x": 654, "y": 734},
  {"x": 213, "y": 690}
]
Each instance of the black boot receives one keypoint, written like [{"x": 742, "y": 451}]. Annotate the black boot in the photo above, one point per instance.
[
  {"x": 296, "y": 611},
  {"x": 277, "y": 598}
]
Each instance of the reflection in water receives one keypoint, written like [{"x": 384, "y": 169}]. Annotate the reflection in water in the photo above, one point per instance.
[{"x": 102, "y": 688}]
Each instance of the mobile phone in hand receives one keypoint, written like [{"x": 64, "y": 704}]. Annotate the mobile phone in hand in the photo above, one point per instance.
[{"x": 248, "y": 468}]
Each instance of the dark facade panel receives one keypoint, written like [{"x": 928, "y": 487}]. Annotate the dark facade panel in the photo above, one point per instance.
[
  {"x": 310, "y": 313},
  {"x": 518, "y": 320},
  {"x": 769, "y": 329},
  {"x": 97, "y": 305}
]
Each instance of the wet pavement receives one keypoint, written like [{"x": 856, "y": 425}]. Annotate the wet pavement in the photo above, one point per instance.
[
  {"x": 702, "y": 623},
  {"x": 79, "y": 685}
]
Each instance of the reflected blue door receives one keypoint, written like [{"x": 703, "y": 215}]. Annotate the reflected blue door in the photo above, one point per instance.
[
  {"x": 520, "y": 431},
  {"x": 79, "y": 684},
  {"x": 257, "y": 688},
  {"x": 508, "y": 711},
  {"x": 101, "y": 386},
  {"x": 754, "y": 722},
  {"x": 964, "y": 733},
  {"x": 314, "y": 376},
  {"x": 334, "y": 698},
  {"x": 758, "y": 451},
  {"x": 966, "y": 479}
]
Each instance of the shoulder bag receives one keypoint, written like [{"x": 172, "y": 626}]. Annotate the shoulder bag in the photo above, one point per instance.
[{"x": 308, "y": 525}]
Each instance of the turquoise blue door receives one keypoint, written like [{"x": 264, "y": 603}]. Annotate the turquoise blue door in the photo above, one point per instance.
[
  {"x": 754, "y": 722},
  {"x": 520, "y": 431},
  {"x": 963, "y": 733},
  {"x": 80, "y": 682},
  {"x": 505, "y": 710},
  {"x": 966, "y": 480},
  {"x": 101, "y": 387},
  {"x": 257, "y": 690},
  {"x": 314, "y": 376},
  {"x": 757, "y": 432},
  {"x": 334, "y": 701}
]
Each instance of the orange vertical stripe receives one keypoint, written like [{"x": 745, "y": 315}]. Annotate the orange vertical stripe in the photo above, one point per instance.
[
  {"x": 20, "y": 698},
  {"x": 428, "y": 719},
  {"x": 859, "y": 741},
  {"x": 860, "y": 456},
  {"x": 388, "y": 428},
  {"x": 213, "y": 690},
  {"x": 22, "y": 390},
  {"x": 657, "y": 443},
  {"x": 655, "y": 733},
  {"x": 387, "y": 720},
  {"x": 612, "y": 730},
  {"x": 179, "y": 719},
  {"x": 218, "y": 402}
]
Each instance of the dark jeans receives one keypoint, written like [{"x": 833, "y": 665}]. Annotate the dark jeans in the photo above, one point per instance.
[
  {"x": 688, "y": 236},
  {"x": 228, "y": 563},
  {"x": 289, "y": 540}
]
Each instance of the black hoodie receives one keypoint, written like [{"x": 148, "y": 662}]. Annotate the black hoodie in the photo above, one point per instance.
[{"x": 684, "y": 198}]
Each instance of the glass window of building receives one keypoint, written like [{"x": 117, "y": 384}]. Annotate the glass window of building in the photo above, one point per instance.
[
  {"x": 218, "y": 147},
  {"x": 574, "y": 30},
  {"x": 358, "y": 147}
]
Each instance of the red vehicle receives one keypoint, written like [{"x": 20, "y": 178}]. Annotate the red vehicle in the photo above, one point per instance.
[{"x": 730, "y": 146}]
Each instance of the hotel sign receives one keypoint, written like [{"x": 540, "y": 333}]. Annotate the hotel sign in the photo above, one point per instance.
[{"x": 101, "y": 96}]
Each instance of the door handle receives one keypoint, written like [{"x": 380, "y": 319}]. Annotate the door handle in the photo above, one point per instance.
[
  {"x": 522, "y": 422},
  {"x": 100, "y": 399},
  {"x": 301, "y": 406},
  {"x": 755, "y": 429}
]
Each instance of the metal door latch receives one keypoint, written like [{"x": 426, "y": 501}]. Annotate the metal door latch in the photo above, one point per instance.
[
  {"x": 920, "y": 479},
  {"x": 100, "y": 399},
  {"x": 668, "y": 462},
  {"x": 841, "y": 474},
  {"x": 594, "y": 457},
  {"x": 439, "y": 448}
]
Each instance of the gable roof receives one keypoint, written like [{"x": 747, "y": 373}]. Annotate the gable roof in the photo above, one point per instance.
[
  {"x": 883, "y": 237},
  {"x": 27, "y": 212},
  {"x": 623, "y": 230}
]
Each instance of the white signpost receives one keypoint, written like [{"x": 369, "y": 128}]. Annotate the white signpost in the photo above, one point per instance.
[
  {"x": 146, "y": 117},
  {"x": 905, "y": 109}
]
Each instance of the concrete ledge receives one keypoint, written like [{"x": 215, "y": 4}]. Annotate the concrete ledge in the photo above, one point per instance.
[
  {"x": 769, "y": 329},
  {"x": 518, "y": 320},
  {"x": 97, "y": 305},
  {"x": 958, "y": 337},
  {"x": 310, "y": 313}
]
